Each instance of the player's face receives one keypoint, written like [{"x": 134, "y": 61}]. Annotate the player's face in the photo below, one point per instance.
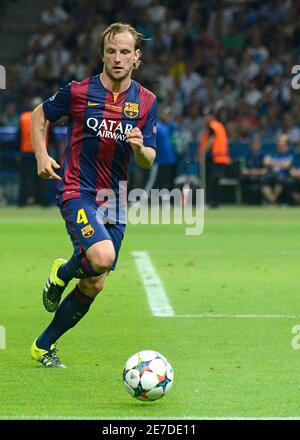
[
  {"x": 119, "y": 55},
  {"x": 282, "y": 145}
]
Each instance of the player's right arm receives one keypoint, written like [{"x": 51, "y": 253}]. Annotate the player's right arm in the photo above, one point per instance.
[
  {"x": 51, "y": 110},
  {"x": 45, "y": 164}
]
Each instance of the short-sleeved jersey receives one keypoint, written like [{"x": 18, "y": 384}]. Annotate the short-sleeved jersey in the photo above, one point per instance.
[
  {"x": 97, "y": 154},
  {"x": 254, "y": 160},
  {"x": 278, "y": 159}
]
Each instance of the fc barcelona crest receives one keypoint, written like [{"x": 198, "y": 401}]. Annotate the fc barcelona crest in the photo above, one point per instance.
[
  {"x": 87, "y": 231},
  {"x": 131, "y": 109}
]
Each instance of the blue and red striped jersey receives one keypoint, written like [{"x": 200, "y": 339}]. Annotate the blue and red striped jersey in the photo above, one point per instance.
[{"x": 97, "y": 154}]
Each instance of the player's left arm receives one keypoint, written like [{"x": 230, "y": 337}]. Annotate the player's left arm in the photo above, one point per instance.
[
  {"x": 144, "y": 156},
  {"x": 143, "y": 142}
]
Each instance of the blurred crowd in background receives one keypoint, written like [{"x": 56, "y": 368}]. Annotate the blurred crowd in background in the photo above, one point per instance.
[{"x": 234, "y": 57}]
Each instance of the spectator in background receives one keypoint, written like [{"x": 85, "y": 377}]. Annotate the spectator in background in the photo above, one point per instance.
[
  {"x": 10, "y": 117},
  {"x": 54, "y": 14},
  {"x": 290, "y": 128},
  {"x": 186, "y": 151},
  {"x": 264, "y": 131},
  {"x": 252, "y": 173},
  {"x": 214, "y": 156},
  {"x": 295, "y": 175},
  {"x": 278, "y": 164},
  {"x": 165, "y": 152},
  {"x": 32, "y": 190}
]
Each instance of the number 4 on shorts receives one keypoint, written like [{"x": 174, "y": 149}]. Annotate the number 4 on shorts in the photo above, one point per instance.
[{"x": 81, "y": 217}]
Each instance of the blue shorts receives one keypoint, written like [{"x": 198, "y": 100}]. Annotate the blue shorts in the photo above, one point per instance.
[{"x": 85, "y": 226}]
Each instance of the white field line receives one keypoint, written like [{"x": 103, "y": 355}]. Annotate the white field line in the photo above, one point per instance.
[
  {"x": 159, "y": 302},
  {"x": 156, "y": 294},
  {"x": 224, "y": 315}
]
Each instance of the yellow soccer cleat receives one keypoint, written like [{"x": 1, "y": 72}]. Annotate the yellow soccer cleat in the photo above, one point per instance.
[
  {"x": 54, "y": 287},
  {"x": 48, "y": 358}
]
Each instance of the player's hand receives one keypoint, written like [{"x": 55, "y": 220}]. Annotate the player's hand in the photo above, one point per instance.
[
  {"x": 46, "y": 168},
  {"x": 135, "y": 138}
]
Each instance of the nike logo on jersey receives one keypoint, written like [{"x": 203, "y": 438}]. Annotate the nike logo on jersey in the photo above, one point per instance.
[{"x": 92, "y": 104}]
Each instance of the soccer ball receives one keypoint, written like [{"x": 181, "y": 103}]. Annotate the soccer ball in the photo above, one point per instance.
[{"x": 148, "y": 375}]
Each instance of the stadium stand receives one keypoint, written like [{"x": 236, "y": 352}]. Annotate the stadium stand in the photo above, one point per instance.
[{"x": 234, "y": 56}]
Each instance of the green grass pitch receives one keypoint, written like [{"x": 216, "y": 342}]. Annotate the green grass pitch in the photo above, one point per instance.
[{"x": 245, "y": 263}]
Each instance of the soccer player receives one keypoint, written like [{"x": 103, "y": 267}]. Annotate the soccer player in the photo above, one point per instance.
[
  {"x": 110, "y": 115},
  {"x": 277, "y": 180},
  {"x": 252, "y": 173}
]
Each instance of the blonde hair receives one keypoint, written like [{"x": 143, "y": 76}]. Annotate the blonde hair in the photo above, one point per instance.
[
  {"x": 283, "y": 138},
  {"x": 118, "y": 28}
]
